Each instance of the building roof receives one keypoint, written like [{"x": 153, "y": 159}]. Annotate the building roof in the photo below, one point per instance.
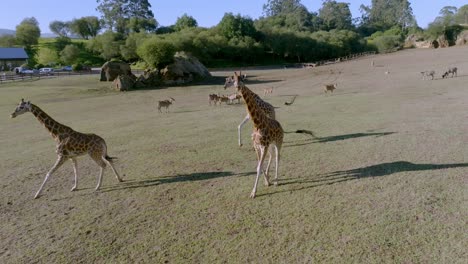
[{"x": 13, "y": 54}]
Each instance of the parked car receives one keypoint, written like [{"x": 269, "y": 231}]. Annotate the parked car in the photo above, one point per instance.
[
  {"x": 29, "y": 71},
  {"x": 67, "y": 68},
  {"x": 46, "y": 71}
]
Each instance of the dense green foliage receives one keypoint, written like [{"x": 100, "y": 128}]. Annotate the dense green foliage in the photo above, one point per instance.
[{"x": 287, "y": 33}]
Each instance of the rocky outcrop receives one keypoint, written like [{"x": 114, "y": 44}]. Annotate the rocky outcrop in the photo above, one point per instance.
[
  {"x": 462, "y": 38},
  {"x": 185, "y": 69},
  {"x": 111, "y": 69},
  {"x": 123, "y": 83}
]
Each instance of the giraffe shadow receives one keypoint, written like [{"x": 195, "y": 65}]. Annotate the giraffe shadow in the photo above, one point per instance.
[
  {"x": 149, "y": 182},
  {"x": 335, "y": 138},
  {"x": 383, "y": 169}
]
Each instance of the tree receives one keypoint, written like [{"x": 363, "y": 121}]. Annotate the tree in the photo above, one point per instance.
[
  {"x": 86, "y": 27},
  {"x": 157, "y": 52},
  {"x": 383, "y": 14},
  {"x": 277, "y": 7},
  {"x": 237, "y": 26},
  {"x": 28, "y": 32},
  {"x": 462, "y": 15},
  {"x": 60, "y": 28},
  {"x": 185, "y": 21},
  {"x": 137, "y": 25},
  {"x": 117, "y": 13},
  {"x": 106, "y": 45},
  {"x": 47, "y": 56},
  {"x": 288, "y": 13},
  {"x": 70, "y": 54},
  {"x": 335, "y": 15}
]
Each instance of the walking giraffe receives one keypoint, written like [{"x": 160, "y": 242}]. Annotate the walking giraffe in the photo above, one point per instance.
[
  {"x": 267, "y": 108},
  {"x": 70, "y": 144},
  {"x": 267, "y": 132}
]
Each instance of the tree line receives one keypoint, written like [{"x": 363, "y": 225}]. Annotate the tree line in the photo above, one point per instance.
[{"x": 287, "y": 32}]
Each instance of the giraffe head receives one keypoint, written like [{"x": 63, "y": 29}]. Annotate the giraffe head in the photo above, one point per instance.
[{"x": 22, "y": 108}]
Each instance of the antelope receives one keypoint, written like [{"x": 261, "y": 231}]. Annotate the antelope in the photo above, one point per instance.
[
  {"x": 166, "y": 104},
  {"x": 213, "y": 98},
  {"x": 222, "y": 99},
  {"x": 267, "y": 91},
  {"x": 330, "y": 87},
  {"x": 452, "y": 70},
  {"x": 427, "y": 74},
  {"x": 233, "y": 97}
]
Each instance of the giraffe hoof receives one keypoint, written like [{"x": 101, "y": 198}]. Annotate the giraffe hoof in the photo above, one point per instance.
[
  {"x": 252, "y": 195},
  {"x": 275, "y": 183},
  {"x": 73, "y": 189},
  {"x": 36, "y": 196}
]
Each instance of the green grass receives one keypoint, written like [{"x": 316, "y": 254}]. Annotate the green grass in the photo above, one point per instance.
[{"x": 385, "y": 181}]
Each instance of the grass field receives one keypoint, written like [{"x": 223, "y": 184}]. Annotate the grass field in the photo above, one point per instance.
[{"x": 385, "y": 181}]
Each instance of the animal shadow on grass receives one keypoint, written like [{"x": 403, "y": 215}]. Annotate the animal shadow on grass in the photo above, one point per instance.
[
  {"x": 199, "y": 176},
  {"x": 383, "y": 169},
  {"x": 336, "y": 138}
]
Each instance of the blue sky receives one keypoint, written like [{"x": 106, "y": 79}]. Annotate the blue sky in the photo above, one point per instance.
[{"x": 207, "y": 12}]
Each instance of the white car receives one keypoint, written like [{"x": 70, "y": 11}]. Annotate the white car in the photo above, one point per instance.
[{"x": 46, "y": 71}]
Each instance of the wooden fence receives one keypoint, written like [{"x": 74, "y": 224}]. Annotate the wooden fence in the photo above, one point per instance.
[{"x": 11, "y": 77}]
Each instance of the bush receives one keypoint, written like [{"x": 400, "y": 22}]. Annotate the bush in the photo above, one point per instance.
[
  {"x": 387, "y": 43},
  {"x": 77, "y": 67},
  {"x": 156, "y": 52},
  {"x": 38, "y": 66}
]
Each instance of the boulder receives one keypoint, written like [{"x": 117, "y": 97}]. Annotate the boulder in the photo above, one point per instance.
[
  {"x": 184, "y": 69},
  {"x": 462, "y": 38},
  {"x": 111, "y": 69},
  {"x": 123, "y": 83}
]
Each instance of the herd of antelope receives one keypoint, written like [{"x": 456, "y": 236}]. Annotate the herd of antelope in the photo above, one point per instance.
[{"x": 451, "y": 70}]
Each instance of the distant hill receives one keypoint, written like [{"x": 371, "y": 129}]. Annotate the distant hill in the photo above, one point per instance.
[
  {"x": 12, "y": 32},
  {"x": 6, "y": 32}
]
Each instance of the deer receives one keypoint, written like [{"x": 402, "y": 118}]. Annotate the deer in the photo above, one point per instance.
[
  {"x": 426, "y": 74},
  {"x": 267, "y": 91},
  {"x": 166, "y": 104},
  {"x": 213, "y": 98},
  {"x": 330, "y": 87}
]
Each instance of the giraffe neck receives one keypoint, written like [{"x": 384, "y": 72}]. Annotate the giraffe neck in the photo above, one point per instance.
[
  {"x": 54, "y": 127},
  {"x": 255, "y": 113}
]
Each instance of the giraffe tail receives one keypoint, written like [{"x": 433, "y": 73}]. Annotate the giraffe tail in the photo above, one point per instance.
[{"x": 110, "y": 158}]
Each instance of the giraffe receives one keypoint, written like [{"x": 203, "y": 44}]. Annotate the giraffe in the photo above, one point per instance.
[
  {"x": 70, "y": 144},
  {"x": 267, "y": 133},
  {"x": 265, "y": 107}
]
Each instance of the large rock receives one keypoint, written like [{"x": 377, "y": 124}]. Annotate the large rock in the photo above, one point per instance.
[
  {"x": 123, "y": 83},
  {"x": 111, "y": 69},
  {"x": 462, "y": 38},
  {"x": 183, "y": 70}
]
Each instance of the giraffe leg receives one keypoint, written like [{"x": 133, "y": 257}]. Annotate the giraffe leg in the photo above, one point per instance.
[
  {"x": 113, "y": 169},
  {"x": 57, "y": 165},
  {"x": 101, "y": 172},
  {"x": 239, "y": 128},
  {"x": 97, "y": 157},
  {"x": 265, "y": 172},
  {"x": 259, "y": 170},
  {"x": 277, "y": 152},
  {"x": 75, "y": 170}
]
